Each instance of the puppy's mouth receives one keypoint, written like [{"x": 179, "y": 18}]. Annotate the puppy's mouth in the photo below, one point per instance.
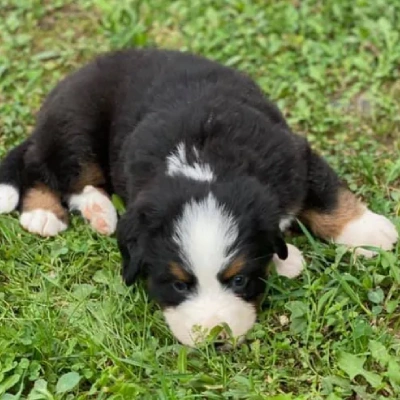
[
  {"x": 229, "y": 345},
  {"x": 221, "y": 335}
]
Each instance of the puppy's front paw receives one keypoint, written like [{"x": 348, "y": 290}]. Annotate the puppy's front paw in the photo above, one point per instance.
[
  {"x": 292, "y": 266},
  {"x": 369, "y": 229},
  {"x": 9, "y": 198},
  {"x": 97, "y": 208},
  {"x": 42, "y": 222}
]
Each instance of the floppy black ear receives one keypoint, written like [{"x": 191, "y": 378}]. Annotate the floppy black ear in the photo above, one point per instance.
[
  {"x": 132, "y": 254},
  {"x": 280, "y": 248}
]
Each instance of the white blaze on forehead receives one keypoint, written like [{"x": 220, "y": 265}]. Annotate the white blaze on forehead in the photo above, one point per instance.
[
  {"x": 205, "y": 233},
  {"x": 177, "y": 164}
]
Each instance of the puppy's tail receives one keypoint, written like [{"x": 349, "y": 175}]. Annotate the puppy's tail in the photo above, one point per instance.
[{"x": 11, "y": 178}]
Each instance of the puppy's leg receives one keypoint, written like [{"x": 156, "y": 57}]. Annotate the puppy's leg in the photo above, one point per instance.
[
  {"x": 11, "y": 169},
  {"x": 334, "y": 213},
  {"x": 42, "y": 212},
  {"x": 92, "y": 201}
]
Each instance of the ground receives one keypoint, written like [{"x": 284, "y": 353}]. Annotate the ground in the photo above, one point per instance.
[{"x": 69, "y": 328}]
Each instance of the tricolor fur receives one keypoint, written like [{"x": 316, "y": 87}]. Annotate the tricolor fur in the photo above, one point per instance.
[{"x": 209, "y": 170}]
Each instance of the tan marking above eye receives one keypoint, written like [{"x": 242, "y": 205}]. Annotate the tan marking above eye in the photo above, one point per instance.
[
  {"x": 179, "y": 272},
  {"x": 234, "y": 268},
  {"x": 330, "y": 225}
]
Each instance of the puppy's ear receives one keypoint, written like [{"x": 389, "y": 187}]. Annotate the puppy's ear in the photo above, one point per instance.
[
  {"x": 280, "y": 247},
  {"x": 132, "y": 254}
]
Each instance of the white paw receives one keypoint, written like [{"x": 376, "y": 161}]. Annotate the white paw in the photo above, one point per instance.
[
  {"x": 369, "y": 230},
  {"x": 97, "y": 208},
  {"x": 42, "y": 222},
  {"x": 9, "y": 198},
  {"x": 292, "y": 266}
]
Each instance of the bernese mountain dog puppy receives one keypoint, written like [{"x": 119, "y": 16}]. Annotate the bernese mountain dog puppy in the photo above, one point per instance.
[{"x": 210, "y": 172}]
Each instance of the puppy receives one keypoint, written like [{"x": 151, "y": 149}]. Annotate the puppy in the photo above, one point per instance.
[{"x": 210, "y": 172}]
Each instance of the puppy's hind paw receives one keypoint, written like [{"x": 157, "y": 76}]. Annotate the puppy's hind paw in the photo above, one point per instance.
[
  {"x": 369, "y": 229},
  {"x": 97, "y": 208},
  {"x": 42, "y": 222}
]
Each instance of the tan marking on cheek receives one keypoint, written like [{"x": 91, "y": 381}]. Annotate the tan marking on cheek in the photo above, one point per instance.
[
  {"x": 234, "y": 268},
  {"x": 330, "y": 225},
  {"x": 179, "y": 273},
  {"x": 90, "y": 175},
  {"x": 42, "y": 197}
]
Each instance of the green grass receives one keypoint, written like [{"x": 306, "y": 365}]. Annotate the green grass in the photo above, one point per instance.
[{"x": 69, "y": 328}]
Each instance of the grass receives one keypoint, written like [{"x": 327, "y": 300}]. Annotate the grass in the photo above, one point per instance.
[{"x": 69, "y": 329}]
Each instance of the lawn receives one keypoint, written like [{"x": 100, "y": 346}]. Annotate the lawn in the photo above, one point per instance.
[{"x": 70, "y": 329}]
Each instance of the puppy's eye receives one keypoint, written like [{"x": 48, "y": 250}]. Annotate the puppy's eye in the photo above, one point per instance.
[
  {"x": 239, "y": 281},
  {"x": 180, "y": 287}
]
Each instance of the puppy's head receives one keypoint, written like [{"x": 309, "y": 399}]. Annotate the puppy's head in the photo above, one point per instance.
[{"x": 204, "y": 249}]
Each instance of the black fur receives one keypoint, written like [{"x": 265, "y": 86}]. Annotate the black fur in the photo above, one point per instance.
[
  {"x": 12, "y": 167},
  {"x": 128, "y": 110}
]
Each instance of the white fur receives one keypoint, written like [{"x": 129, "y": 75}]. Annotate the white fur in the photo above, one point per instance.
[
  {"x": 177, "y": 164},
  {"x": 285, "y": 222},
  {"x": 204, "y": 233},
  {"x": 42, "y": 222},
  {"x": 97, "y": 208},
  {"x": 9, "y": 198},
  {"x": 293, "y": 265},
  {"x": 369, "y": 229},
  {"x": 192, "y": 320}
]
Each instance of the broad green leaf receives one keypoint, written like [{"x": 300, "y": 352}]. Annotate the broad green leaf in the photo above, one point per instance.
[
  {"x": 362, "y": 328},
  {"x": 379, "y": 352},
  {"x": 67, "y": 382},
  {"x": 376, "y": 296},
  {"x": 393, "y": 372},
  {"x": 83, "y": 290},
  {"x": 9, "y": 383},
  {"x": 298, "y": 325},
  {"x": 39, "y": 391},
  {"x": 372, "y": 378},
  {"x": 333, "y": 396},
  {"x": 391, "y": 306},
  {"x": 8, "y": 396},
  {"x": 351, "y": 364},
  {"x": 297, "y": 308},
  {"x": 101, "y": 276}
]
